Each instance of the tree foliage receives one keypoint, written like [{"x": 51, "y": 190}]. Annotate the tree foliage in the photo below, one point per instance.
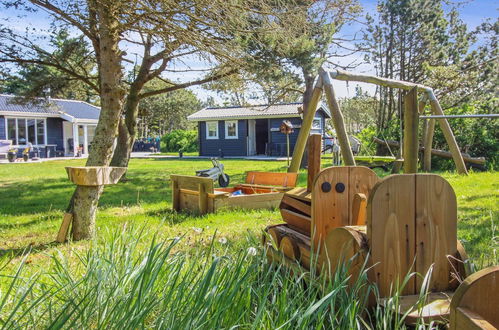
[
  {"x": 163, "y": 113},
  {"x": 180, "y": 140}
]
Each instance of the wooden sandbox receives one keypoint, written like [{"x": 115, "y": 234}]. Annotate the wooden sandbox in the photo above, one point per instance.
[{"x": 260, "y": 190}]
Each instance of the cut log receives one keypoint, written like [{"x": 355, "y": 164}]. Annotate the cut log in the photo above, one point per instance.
[
  {"x": 306, "y": 125},
  {"x": 289, "y": 248},
  {"x": 337, "y": 118},
  {"x": 437, "y": 152}
]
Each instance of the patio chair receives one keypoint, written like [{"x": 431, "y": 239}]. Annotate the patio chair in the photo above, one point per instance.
[{"x": 5, "y": 146}]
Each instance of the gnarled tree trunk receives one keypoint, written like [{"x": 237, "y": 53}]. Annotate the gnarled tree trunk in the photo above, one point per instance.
[{"x": 86, "y": 199}]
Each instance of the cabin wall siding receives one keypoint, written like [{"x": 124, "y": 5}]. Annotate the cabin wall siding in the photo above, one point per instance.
[
  {"x": 227, "y": 147},
  {"x": 3, "y": 129},
  {"x": 238, "y": 147}
]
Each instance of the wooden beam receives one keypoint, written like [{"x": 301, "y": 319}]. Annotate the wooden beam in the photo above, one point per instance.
[
  {"x": 306, "y": 125},
  {"x": 348, "y": 76},
  {"x": 411, "y": 116},
  {"x": 449, "y": 136},
  {"x": 441, "y": 153},
  {"x": 338, "y": 122},
  {"x": 428, "y": 143},
  {"x": 314, "y": 158}
]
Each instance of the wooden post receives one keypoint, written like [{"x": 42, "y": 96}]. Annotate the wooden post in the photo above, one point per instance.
[
  {"x": 314, "y": 159},
  {"x": 449, "y": 136},
  {"x": 287, "y": 147},
  {"x": 176, "y": 195},
  {"x": 203, "y": 199},
  {"x": 306, "y": 125},
  {"x": 428, "y": 142},
  {"x": 338, "y": 122},
  {"x": 411, "y": 117}
]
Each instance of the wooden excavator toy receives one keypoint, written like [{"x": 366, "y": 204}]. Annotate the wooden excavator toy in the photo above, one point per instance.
[{"x": 397, "y": 225}]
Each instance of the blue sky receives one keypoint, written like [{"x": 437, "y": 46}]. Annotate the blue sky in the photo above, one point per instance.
[{"x": 471, "y": 12}]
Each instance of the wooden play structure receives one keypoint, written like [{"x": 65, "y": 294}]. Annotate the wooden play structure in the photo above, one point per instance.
[
  {"x": 87, "y": 176},
  {"x": 260, "y": 190},
  {"x": 415, "y": 100},
  {"x": 393, "y": 226}
]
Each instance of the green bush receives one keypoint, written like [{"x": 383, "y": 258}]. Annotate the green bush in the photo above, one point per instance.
[{"x": 180, "y": 140}]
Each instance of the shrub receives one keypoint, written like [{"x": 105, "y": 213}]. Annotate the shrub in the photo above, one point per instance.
[{"x": 180, "y": 140}]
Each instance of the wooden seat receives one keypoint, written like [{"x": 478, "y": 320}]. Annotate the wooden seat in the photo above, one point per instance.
[
  {"x": 411, "y": 228},
  {"x": 412, "y": 225}
]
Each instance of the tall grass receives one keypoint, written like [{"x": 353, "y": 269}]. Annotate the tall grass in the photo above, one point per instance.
[{"x": 119, "y": 284}]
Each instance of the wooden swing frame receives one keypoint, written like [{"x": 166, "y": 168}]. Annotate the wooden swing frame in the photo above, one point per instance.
[{"x": 413, "y": 108}]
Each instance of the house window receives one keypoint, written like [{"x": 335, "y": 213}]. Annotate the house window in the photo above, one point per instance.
[
  {"x": 231, "y": 129},
  {"x": 316, "y": 124},
  {"x": 211, "y": 130},
  {"x": 24, "y": 130}
]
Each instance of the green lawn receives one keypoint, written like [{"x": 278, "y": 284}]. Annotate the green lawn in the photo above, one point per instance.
[{"x": 33, "y": 197}]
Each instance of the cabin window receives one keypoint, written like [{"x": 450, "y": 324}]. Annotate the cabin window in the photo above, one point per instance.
[
  {"x": 231, "y": 129},
  {"x": 211, "y": 130},
  {"x": 316, "y": 124},
  {"x": 25, "y": 130}
]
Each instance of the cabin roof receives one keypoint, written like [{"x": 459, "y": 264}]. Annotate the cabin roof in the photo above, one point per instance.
[
  {"x": 282, "y": 110},
  {"x": 72, "y": 110}
]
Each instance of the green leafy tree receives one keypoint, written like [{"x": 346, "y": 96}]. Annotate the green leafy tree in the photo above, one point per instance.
[
  {"x": 403, "y": 40},
  {"x": 162, "y": 33},
  {"x": 37, "y": 77},
  {"x": 163, "y": 113}
]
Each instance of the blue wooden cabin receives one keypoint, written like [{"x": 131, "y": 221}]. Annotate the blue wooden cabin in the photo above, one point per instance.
[{"x": 251, "y": 130}]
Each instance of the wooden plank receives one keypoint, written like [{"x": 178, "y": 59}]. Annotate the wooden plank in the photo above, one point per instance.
[
  {"x": 64, "y": 229},
  {"x": 297, "y": 221},
  {"x": 449, "y": 136},
  {"x": 411, "y": 124},
  {"x": 306, "y": 125},
  {"x": 330, "y": 209},
  {"x": 361, "y": 180},
  {"x": 436, "y": 229},
  {"x": 314, "y": 159},
  {"x": 175, "y": 195},
  {"x": 203, "y": 198},
  {"x": 288, "y": 201},
  {"x": 272, "y": 179},
  {"x": 337, "y": 118},
  {"x": 435, "y": 307},
  {"x": 260, "y": 188},
  {"x": 191, "y": 182},
  {"x": 477, "y": 294},
  {"x": 301, "y": 194},
  {"x": 391, "y": 232},
  {"x": 255, "y": 201}
]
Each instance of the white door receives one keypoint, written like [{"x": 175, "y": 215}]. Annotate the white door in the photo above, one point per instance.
[{"x": 251, "y": 137}]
